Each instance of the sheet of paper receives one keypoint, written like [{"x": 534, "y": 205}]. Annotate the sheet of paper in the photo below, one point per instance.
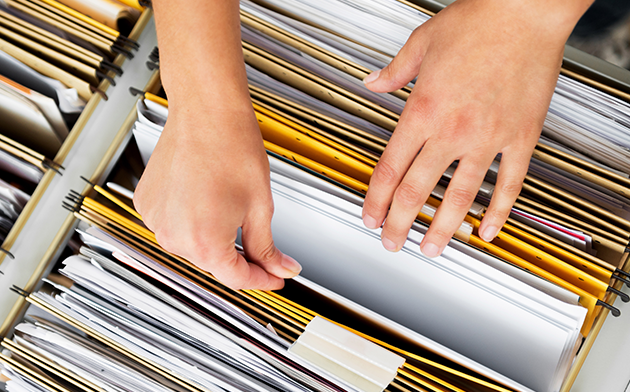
[
  {"x": 338, "y": 77},
  {"x": 577, "y": 185},
  {"x": 572, "y": 237},
  {"x": 24, "y": 122},
  {"x": 67, "y": 99},
  {"x": 104, "y": 371},
  {"x": 20, "y": 168},
  {"x": 80, "y": 271}
]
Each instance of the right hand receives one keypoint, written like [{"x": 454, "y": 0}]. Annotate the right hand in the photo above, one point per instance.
[{"x": 201, "y": 186}]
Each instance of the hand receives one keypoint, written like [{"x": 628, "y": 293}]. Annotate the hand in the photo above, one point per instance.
[
  {"x": 209, "y": 174},
  {"x": 486, "y": 72},
  {"x": 200, "y": 187}
]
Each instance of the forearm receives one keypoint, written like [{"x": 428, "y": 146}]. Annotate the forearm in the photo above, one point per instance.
[{"x": 201, "y": 59}]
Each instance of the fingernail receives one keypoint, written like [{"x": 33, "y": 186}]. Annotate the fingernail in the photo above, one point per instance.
[
  {"x": 370, "y": 222},
  {"x": 430, "y": 250},
  {"x": 372, "y": 77},
  {"x": 389, "y": 245},
  {"x": 488, "y": 233},
  {"x": 289, "y": 264}
]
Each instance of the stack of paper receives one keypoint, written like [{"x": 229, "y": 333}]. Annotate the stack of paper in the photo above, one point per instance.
[
  {"x": 151, "y": 313},
  {"x": 53, "y": 59},
  {"x": 329, "y": 236},
  {"x": 504, "y": 315},
  {"x": 569, "y": 226}
]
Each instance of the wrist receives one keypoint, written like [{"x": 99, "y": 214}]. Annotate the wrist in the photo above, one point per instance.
[
  {"x": 205, "y": 105},
  {"x": 206, "y": 122}
]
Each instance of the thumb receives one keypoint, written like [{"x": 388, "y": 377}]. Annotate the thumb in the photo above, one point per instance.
[
  {"x": 403, "y": 68},
  {"x": 260, "y": 249}
]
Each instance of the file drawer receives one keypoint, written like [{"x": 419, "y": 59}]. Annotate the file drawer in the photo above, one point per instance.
[
  {"x": 101, "y": 171},
  {"x": 90, "y": 137}
]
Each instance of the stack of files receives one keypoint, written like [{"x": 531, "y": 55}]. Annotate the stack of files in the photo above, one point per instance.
[
  {"x": 31, "y": 117},
  {"x": 124, "y": 314},
  {"x": 305, "y": 60},
  {"x": 459, "y": 299},
  {"x": 576, "y": 205},
  {"x": 21, "y": 169},
  {"x": 53, "y": 59},
  {"x": 566, "y": 238}
]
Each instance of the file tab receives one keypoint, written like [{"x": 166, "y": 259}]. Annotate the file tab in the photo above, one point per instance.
[{"x": 356, "y": 360}]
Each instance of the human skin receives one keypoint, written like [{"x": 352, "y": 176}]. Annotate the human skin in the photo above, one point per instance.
[
  {"x": 486, "y": 71},
  {"x": 209, "y": 173}
]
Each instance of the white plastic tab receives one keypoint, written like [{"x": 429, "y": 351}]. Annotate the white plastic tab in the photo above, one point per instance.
[{"x": 359, "y": 362}]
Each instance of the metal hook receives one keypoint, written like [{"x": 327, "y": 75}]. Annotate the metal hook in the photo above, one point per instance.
[
  {"x": 624, "y": 297},
  {"x": 6, "y": 252},
  {"x": 52, "y": 166},
  {"x": 615, "y": 312},
  {"x": 19, "y": 291},
  {"x": 134, "y": 91}
]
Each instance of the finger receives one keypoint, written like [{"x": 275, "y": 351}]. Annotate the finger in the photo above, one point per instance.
[
  {"x": 403, "y": 68},
  {"x": 512, "y": 171},
  {"x": 217, "y": 255},
  {"x": 388, "y": 174},
  {"x": 402, "y": 149},
  {"x": 234, "y": 271},
  {"x": 260, "y": 249},
  {"x": 411, "y": 194},
  {"x": 458, "y": 198}
]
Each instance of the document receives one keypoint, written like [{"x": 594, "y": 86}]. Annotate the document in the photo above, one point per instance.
[{"x": 24, "y": 122}]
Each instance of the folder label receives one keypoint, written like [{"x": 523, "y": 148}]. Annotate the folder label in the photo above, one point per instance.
[{"x": 356, "y": 360}]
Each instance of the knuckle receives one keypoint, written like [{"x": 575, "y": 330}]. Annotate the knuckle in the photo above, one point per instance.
[
  {"x": 224, "y": 268},
  {"x": 395, "y": 71},
  {"x": 459, "y": 197},
  {"x": 138, "y": 201},
  {"x": 395, "y": 232},
  {"x": 269, "y": 210},
  {"x": 440, "y": 235},
  {"x": 390, "y": 70},
  {"x": 261, "y": 216},
  {"x": 233, "y": 281},
  {"x": 511, "y": 188},
  {"x": 496, "y": 214},
  {"x": 267, "y": 254},
  {"x": 408, "y": 195},
  {"x": 267, "y": 214},
  {"x": 418, "y": 107},
  {"x": 457, "y": 131},
  {"x": 148, "y": 222},
  {"x": 423, "y": 107},
  {"x": 385, "y": 173}
]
